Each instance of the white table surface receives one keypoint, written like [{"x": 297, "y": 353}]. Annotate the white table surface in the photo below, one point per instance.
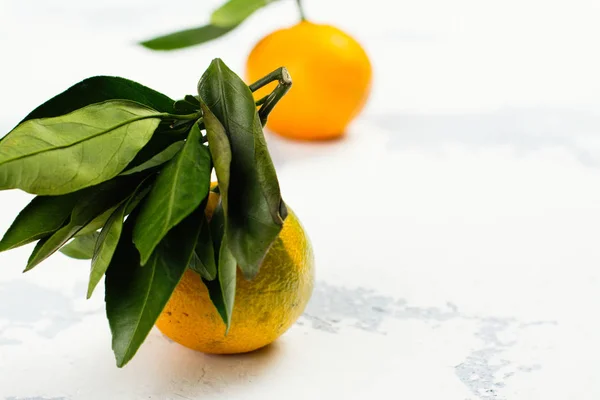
[{"x": 456, "y": 228}]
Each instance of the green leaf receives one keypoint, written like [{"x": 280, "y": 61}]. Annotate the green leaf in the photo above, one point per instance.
[
  {"x": 220, "y": 149},
  {"x": 235, "y": 12},
  {"x": 164, "y": 136},
  {"x": 98, "y": 89},
  {"x": 222, "y": 290},
  {"x": 97, "y": 223},
  {"x": 267, "y": 176},
  {"x": 95, "y": 201},
  {"x": 108, "y": 239},
  {"x": 136, "y": 296},
  {"x": 185, "y": 107},
  {"x": 81, "y": 247},
  {"x": 203, "y": 260},
  {"x": 38, "y": 247},
  {"x": 159, "y": 159},
  {"x": 244, "y": 168},
  {"x": 187, "y": 37},
  {"x": 179, "y": 189},
  {"x": 88, "y": 146},
  {"x": 193, "y": 100},
  {"x": 43, "y": 216},
  {"x": 227, "y": 279}
]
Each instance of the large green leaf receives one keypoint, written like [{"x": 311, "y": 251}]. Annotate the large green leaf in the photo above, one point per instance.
[
  {"x": 243, "y": 166},
  {"x": 88, "y": 146},
  {"x": 95, "y": 202},
  {"x": 108, "y": 239},
  {"x": 187, "y": 37},
  {"x": 159, "y": 159},
  {"x": 81, "y": 247},
  {"x": 43, "y": 216},
  {"x": 234, "y": 12},
  {"x": 136, "y": 296},
  {"x": 179, "y": 189},
  {"x": 98, "y": 89}
]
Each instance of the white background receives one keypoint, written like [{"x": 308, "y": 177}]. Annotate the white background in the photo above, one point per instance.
[{"x": 455, "y": 228}]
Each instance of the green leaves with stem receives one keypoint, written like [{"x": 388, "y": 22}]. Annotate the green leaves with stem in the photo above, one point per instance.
[
  {"x": 243, "y": 166},
  {"x": 122, "y": 177}
]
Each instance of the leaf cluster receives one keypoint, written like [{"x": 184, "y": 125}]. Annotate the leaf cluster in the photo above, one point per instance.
[{"x": 122, "y": 175}]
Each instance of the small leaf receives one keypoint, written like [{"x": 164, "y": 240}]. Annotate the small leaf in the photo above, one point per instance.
[
  {"x": 179, "y": 189},
  {"x": 43, "y": 216},
  {"x": 159, "y": 159},
  {"x": 97, "y": 223},
  {"x": 82, "y": 247},
  {"x": 222, "y": 300},
  {"x": 222, "y": 290},
  {"x": 215, "y": 291},
  {"x": 243, "y": 166},
  {"x": 108, "y": 240},
  {"x": 227, "y": 276},
  {"x": 203, "y": 260},
  {"x": 164, "y": 136},
  {"x": 98, "y": 89},
  {"x": 96, "y": 201},
  {"x": 220, "y": 150},
  {"x": 186, "y": 38},
  {"x": 36, "y": 250},
  {"x": 136, "y": 296},
  {"x": 267, "y": 176},
  {"x": 192, "y": 100},
  {"x": 63, "y": 154},
  {"x": 182, "y": 106},
  {"x": 235, "y": 12}
]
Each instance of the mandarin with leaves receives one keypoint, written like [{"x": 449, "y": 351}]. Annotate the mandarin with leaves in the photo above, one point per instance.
[{"x": 122, "y": 176}]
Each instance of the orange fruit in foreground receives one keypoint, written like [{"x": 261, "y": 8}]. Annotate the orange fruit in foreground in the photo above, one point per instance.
[
  {"x": 264, "y": 308},
  {"x": 331, "y": 76}
]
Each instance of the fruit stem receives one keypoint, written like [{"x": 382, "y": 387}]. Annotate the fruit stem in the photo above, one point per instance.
[
  {"x": 258, "y": 102},
  {"x": 301, "y": 10},
  {"x": 268, "y": 102}
]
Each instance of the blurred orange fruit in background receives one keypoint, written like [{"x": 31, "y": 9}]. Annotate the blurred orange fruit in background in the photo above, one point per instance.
[{"x": 331, "y": 76}]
